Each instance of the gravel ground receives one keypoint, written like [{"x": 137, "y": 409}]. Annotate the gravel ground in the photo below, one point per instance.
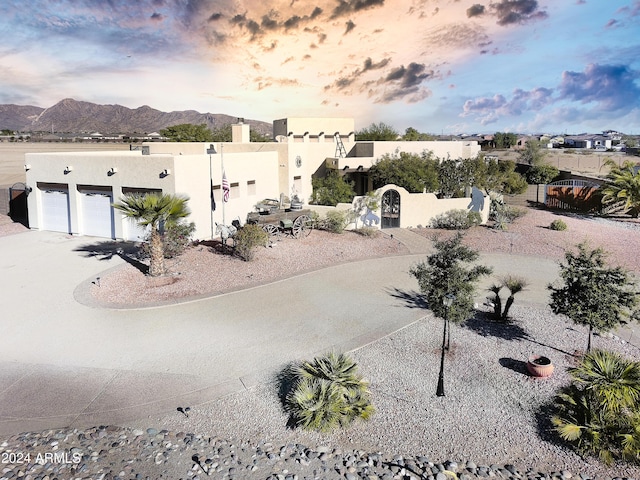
[
  {"x": 492, "y": 413},
  {"x": 490, "y": 418},
  {"x": 204, "y": 271},
  {"x": 530, "y": 235}
]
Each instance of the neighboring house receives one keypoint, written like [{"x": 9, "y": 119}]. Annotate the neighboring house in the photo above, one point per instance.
[{"x": 74, "y": 192}]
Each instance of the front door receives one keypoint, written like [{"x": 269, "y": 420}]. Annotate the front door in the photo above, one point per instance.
[{"x": 391, "y": 209}]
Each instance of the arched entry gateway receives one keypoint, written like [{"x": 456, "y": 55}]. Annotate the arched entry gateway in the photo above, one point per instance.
[
  {"x": 390, "y": 209},
  {"x": 18, "y": 203}
]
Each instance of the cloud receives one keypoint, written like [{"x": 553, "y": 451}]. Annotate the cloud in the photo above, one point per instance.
[
  {"x": 609, "y": 87},
  {"x": 346, "y": 81},
  {"x": 517, "y": 11},
  {"x": 491, "y": 109},
  {"x": 599, "y": 92},
  {"x": 157, "y": 17},
  {"x": 350, "y": 26},
  {"x": 347, "y": 7},
  {"x": 475, "y": 10},
  {"x": 405, "y": 83}
]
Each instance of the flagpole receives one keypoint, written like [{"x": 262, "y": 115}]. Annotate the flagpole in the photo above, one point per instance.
[
  {"x": 222, "y": 173},
  {"x": 211, "y": 150}
]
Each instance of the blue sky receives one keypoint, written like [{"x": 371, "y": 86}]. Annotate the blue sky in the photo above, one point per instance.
[{"x": 441, "y": 66}]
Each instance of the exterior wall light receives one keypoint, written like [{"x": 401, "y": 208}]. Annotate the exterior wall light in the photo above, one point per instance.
[
  {"x": 112, "y": 170},
  {"x": 27, "y": 167},
  {"x": 68, "y": 169}
]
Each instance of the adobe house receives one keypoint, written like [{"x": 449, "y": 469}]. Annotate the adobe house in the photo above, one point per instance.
[{"x": 74, "y": 192}]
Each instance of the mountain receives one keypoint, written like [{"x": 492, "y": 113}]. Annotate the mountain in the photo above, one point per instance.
[
  {"x": 14, "y": 117},
  {"x": 70, "y": 115}
]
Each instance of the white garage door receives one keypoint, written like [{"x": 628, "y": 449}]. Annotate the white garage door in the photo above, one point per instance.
[
  {"x": 134, "y": 232},
  {"x": 97, "y": 214},
  {"x": 55, "y": 210}
]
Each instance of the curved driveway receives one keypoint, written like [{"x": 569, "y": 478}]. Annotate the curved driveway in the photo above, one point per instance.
[{"x": 65, "y": 364}]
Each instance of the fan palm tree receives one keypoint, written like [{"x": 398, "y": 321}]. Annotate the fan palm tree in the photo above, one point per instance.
[
  {"x": 598, "y": 412},
  {"x": 154, "y": 209},
  {"x": 329, "y": 393},
  {"x": 624, "y": 186}
]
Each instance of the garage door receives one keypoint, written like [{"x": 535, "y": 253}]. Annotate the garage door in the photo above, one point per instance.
[
  {"x": 134, "y": 232},
  {"x": 97, "y": 214},
  {"x": 55, "y": 210}
]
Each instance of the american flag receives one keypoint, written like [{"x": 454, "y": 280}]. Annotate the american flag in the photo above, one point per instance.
[{"x": 225, "y": 188}]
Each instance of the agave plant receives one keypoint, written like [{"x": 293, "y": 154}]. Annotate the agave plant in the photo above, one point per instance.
[
  {"x": 600, "y": 411},
  {"x": 328, "y": 393}
]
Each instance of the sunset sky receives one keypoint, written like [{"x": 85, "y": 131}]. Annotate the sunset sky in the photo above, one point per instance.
[{"x": 440, "y": 66}]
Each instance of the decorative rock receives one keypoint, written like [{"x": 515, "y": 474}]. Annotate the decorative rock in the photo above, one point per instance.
[{"x": 152, "y": 431}]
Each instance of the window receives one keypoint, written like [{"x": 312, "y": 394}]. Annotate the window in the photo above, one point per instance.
[
  {"x": 234, "y": 191},
  {"x": 251, "y": 187}
]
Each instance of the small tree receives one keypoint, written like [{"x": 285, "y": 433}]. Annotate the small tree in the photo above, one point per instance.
[
  {"x": 378, "y": 132},
  {"x": 592, "y": 293},
  {"x": 331, "y": 190},
  {"x": 154, "y": 209},
  {"x": 541, "y": 174},
  {"x": 532, "y": 154},
  {"x": 187, "y": 132},
  {"x": 447, "y": 272},
  {"x": 415, "y": 172}
]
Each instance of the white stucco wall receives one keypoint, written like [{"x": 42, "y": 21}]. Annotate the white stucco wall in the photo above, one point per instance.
[
  {"x": 188, "y": 175},
  {"x": 419, "y": 208}
]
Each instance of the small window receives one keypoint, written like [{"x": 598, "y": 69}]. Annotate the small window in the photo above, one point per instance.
[{"x": 251, "y": 187}]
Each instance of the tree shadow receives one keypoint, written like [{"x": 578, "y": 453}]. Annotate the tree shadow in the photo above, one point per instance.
[
  {"x": 411, "y": 298},
  {"x": 517, "y": 366},
  {"x": 217, "y": 247},
  {"x": 483, "y": 325},
  {"x": 544, "y": 426},
  {"x": 106, "y": 250},
  {"x": 286, "y": 380}
]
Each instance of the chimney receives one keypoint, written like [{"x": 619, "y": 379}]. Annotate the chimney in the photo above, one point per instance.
[{"x": 240, "y": 132}]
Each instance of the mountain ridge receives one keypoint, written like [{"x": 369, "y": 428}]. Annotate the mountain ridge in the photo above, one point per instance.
[{"x": 70, "y": 115}]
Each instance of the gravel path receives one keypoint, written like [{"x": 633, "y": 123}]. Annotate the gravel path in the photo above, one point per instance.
[{"x": 489, "y": 424}]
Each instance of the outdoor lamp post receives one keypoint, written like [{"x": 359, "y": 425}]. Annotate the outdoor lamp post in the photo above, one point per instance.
[
  {"x": 447, "y": 301},
  {"x": 211, "y": 151}
]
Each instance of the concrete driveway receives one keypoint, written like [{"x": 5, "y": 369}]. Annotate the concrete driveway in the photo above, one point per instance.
[{"x": 65, "y": 364}]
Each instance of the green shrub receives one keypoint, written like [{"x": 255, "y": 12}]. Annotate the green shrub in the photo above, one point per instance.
[
  {"x": 177, "y": 237},
  {"x": 599, "y": 412},
  {"x": 459, "y": 219},
  {"x": 335, "y": 221},
  {"x": 247, "y": 238},
  {"x": 558, "y": 225},
  {"x": 503, "y": 214},
  {"x": 327, "y": 393}
]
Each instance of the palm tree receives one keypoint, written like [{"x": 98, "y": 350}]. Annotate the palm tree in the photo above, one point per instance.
[
  {"x": 598, "y": 412},
  {"x": 154, "y": 209},
  {"x": 328, "y": 393},
  {"x": 624, "y": 186}
]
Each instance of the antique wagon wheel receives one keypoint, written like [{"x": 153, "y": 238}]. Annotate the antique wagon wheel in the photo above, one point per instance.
[
  {"x": 272, "y": 230},
  {"x": 302, "y": 226}
]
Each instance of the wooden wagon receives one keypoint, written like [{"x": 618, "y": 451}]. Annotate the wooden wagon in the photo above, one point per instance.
[{"x": 277, "y": 221}]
